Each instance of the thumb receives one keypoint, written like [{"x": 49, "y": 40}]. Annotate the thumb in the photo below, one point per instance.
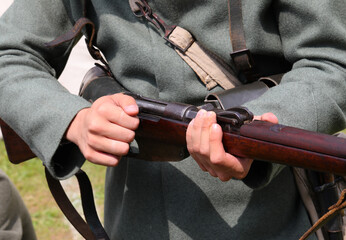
[{"x": 127, "y": 103}]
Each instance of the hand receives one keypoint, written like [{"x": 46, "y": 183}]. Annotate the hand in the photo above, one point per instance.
[
  {"x": 103, "y": 131},
  {"x": 204, "y": 142}
]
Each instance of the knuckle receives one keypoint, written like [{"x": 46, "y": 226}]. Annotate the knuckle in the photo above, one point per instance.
[
  {"x": 190, "y": 149},
  {"x": 204, "y": 151},
  {"x": 94, "y": 127},
  {"x": 123, "y": 149},
  {"x": 130, "y": 136},
  {"x": 102, "y": 109},
  {"x": 88, "y": 154},
  {"x": 215, "y": 160},
  {"x": 114, "y": 161},
  {"x": 225, "y": 178},
  {"x": 121, "y": 115},
  {"x": 117, "y": 95},
  {"x": 136, "y": 123},
  {"x": 91, "y": 142},
  {"x": 195, "y": 148},
  {"x": 241, "y": 175},
  {"x": 212, "y": 174}
]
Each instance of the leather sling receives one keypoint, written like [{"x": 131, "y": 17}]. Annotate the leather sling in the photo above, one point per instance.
[{"x": 91, "y": 229}]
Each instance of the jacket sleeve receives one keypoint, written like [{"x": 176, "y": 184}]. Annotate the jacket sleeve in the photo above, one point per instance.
[
  {"x": 32, "y": 101},
  {"x": 312, "y": 95}
]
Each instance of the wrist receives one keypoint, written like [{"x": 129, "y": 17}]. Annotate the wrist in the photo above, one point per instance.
[{"x": 74, "y": 129}]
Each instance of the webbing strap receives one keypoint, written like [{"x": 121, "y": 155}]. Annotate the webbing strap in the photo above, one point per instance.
[
  {"x": 210, "y": 71},
  {"x": 92, "y": 229}
]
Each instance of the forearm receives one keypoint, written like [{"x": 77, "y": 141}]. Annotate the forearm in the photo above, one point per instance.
[{"x": 32, "y": 101}]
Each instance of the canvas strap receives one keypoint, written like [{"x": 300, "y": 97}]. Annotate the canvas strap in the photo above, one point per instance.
[
  {"x": 206, "y": 66},
  {"x": 211, "y": 70}
]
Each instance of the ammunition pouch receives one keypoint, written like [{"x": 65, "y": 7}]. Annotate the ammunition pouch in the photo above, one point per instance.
[
  {"x": 105, "y": 84},
  {"x": 235, "y": 97}
]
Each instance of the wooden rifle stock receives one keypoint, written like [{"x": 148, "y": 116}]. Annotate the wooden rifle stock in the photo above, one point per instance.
[
  {"x": 17, "y": 150},
  {"x": 161, "y": 137}
]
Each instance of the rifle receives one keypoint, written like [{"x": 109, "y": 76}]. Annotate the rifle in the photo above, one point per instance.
[
  {"x": 163, "y": 125},
  {"x": 17, "y": 150},
  {"x": 161, "y": 132},
  {"x": 161, "y": 137}
]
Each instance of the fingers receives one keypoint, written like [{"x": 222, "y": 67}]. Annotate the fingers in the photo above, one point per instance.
[
  {"x": 198, "y": 139},
  {"x": 103, "y": 131},
  {"x": 102, "y": 158},
  {"x": 107, "y": 145},
  {"x": 118, "y": 109},
  {"x": 193, "y": 134},
  {"x": 227, "y": 165},
  {"x": 204, "y": 142},
  {"x": 127, "y": 103},
  {"x": 201, "y": 127},
  {"x": 268, "y": 117}
]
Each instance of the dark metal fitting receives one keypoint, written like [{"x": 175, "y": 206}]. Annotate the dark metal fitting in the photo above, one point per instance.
[
  {"x": 241, "y": 54},
  {"x": 327, "y": 185},
  {"x": 144, "y": 9},
  {"x": 146, "y": 12},
  {"x": 234, "y": 116}
]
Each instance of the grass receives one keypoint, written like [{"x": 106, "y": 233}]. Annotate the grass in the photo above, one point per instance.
[{"x": 29, "y": 178}]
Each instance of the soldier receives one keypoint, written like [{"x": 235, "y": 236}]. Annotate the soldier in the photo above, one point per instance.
[{"x": 160, "y": 200}]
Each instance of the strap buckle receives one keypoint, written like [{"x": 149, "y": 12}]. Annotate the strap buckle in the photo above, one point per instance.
[
  {"x": 146, "y": 12},
  {"x": 242, "y": 60}
]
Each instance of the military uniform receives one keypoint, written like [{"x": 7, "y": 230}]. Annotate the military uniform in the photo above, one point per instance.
[{"x": 177, "y": 200}]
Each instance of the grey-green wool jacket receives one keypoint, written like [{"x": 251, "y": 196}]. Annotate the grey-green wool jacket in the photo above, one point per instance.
[{"x": 177, "y": 200}]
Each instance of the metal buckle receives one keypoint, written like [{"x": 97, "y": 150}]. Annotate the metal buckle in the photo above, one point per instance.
[
  {"x": 147, "y": 12},
  {"x": 241, "y": 53}
]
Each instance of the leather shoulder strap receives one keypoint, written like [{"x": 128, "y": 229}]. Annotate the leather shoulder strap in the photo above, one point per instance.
[
  {"x": 81, "y": 23},
  {"x": 240, "y": 55}
]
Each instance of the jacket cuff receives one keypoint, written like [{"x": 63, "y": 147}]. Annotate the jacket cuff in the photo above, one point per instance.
[
  {"x": 66, "y": 161},
  {"x": 261, "y": 173}
]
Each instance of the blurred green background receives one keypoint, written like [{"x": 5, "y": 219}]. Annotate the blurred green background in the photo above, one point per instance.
[{"x": 48, "y": 220}]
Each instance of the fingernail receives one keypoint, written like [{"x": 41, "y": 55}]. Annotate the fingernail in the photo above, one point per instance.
[
  {"x": 214, "y": 126},
  {"x": 131, "y": 108},
  {"x": 201, "y": 113},
  {"x": 209, "y": 114}
]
